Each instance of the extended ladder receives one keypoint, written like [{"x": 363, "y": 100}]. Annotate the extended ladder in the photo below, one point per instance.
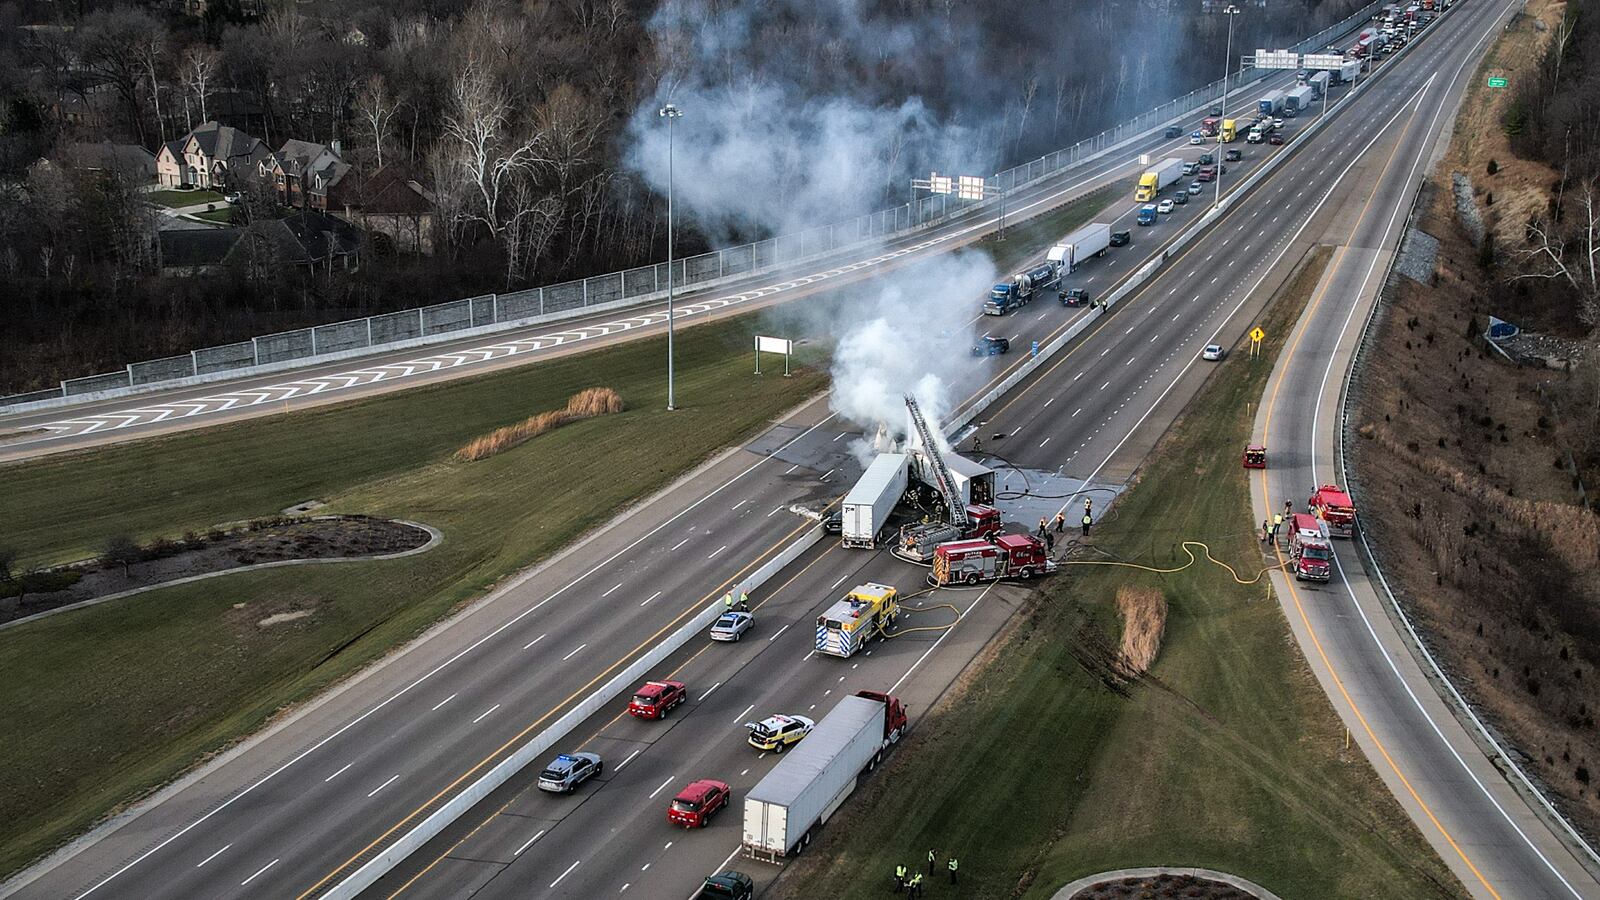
[{"x": 941, "y": 474}]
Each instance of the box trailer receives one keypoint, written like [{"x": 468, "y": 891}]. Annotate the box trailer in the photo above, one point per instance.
[
  {"x": 805, "y": 789},
  {"x": 867, "y": 507},
  {"x": 1298, "y": 100},
  {"x": 1157, "y": 177},
  {"x": 1319, "y": 83},
  {"x": 1271, "y": 104},
  {"x": 1090, "y": 240}
]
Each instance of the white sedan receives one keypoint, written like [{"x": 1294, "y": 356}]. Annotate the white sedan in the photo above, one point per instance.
[
  {"x": 1213, "y": 352},
  {"x": 1165, "y": 206},
  {"x": 731, "y": 625}
]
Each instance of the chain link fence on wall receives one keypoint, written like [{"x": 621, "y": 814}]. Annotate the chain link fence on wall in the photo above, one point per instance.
[{"x": 637, "y": 285}]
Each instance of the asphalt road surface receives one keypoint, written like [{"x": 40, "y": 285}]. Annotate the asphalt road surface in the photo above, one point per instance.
[{"x": 290, "y": 813}]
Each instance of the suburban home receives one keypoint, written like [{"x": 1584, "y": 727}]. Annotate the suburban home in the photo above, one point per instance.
[
  {"x": 395, "y": 208},
  {"x": 313, "y": 240},
  {"x": 197, "y": 251},
  {"x": 130, "y": 160},
  {"x": 306, "y": 175},
  {"x": 211, "y": 156},
  {"x": 310, "y": 241}
]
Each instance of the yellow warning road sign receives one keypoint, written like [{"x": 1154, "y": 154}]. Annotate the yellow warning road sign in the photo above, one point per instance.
[{"x": 1256, "y": 334}]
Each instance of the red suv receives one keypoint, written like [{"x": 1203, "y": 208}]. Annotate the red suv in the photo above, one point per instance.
[
  {"x": 693, "y": 806},
  {"x": 654, "y": 699}
]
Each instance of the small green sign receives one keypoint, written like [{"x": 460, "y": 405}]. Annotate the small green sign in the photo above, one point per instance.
[{"x": 1498, "y": 82}]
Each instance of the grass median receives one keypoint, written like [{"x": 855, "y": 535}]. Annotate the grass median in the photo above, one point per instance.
[
  {"x": 104, "y": 703},
  {"x": 1044, "y": 767}
]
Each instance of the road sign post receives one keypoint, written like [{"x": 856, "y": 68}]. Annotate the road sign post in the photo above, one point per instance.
[
  {"x": 1496, "y": 81},
  {"x": 774, "y": 345},
  {"x": 1256, "y": 334}
]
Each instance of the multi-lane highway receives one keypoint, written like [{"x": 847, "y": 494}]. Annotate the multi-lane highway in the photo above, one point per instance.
[
  {"x": 95, "y": 423},
  {"x": 1462, "y": 803},
  {"x": 295, "y": 811}
]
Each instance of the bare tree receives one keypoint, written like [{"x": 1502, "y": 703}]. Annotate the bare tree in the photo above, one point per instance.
[
  {"x": 199, "y": 71},
  {"x": 1571, "y": 254},
  {"x": 377, "y": 105},
  {"x": 115, "y": 45},
  {"x": 1029, "y": 91}
]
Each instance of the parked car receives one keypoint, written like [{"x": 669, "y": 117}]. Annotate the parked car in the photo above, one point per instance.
[
  {"x": 234, "y": 198},
  {"x": 1121, "y": 238},
  {"x": 988, "y": 345},
  {"x": 731, "y": 625},
  {"x": 776, "y": 733},
  {"x": 1275, "y": 139},
  {"x": 1165, "y": 206},
  {"x": 695, "y": 804},
  {"x": 1213, "y": 352},
  {"x": 654, "y": 699},
  {"x": 1174, "y": 131},
  {"x": 1196, "y": 187},
  {"x": 567, "y": 771},
  {"x": 729, "y": 885},
  {"x": 1074, "y": 297},
  {"x": 1196, "y": 138},
  {"x": 1233, "y": 154}
]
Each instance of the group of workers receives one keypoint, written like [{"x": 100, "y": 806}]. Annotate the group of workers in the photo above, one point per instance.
[{"x": 905, "y": 881}]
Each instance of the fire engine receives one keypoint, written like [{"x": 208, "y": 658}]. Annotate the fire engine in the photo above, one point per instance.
[
  {"x": 1255, "y": 456},
  {"x": 1334, "y": 507},
  {"x": 864, "y": 613},
  {"x": 1309, "y": 549},
  {"x": 917, "y": 542},
  {"x": 1009, "y": 556}
]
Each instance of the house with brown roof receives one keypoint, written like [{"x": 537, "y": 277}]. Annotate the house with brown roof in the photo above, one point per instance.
[
  {"x": 307, "y": 175},
  {"x": 211, "y": 156},
  {"x": 394, "y": 204}
]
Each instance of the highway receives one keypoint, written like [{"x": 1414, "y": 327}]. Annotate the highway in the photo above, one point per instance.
[
  {"x": 96, "y": 423},
  {"x": 1460, "y": 801},
  {"x": 290, "y": 813}
]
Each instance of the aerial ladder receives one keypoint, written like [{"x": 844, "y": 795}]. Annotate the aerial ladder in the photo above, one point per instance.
[
  {"x": 941, "y": 473},
  {"x": 918, "y": 542}
]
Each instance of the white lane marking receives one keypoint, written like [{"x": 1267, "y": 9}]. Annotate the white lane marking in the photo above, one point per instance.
[
  {"x": 1075, "y": 412},
  {"x": 384, "y": 785},
  {"x": 258, "y": 873},
  {"x": 837, "y": 436},
  {"x": 780, "y": 631},
  {"x": 1152, "y": 339},
  {"x": 679, "y": 544},
  {"x": 775, "y": 511},
  {"x": 349, "y": 764},
  {"x": 625, "y": 887},
  {"x": 662, "y": 787},
  {"x": 826, "y": 474},
  {"x": 739, "y": 504},
  {"x": 1130, "y": 360},
  {"x": 1104, "y": 386},
  {"x": 481, "y": 716},
  {"x": 573, "y": 653},
  {"x": 619, "y": 584},
  {"x": 529, "y": 843},
  {"x": 211, "y": 857},
  {"x": 718, "y": 550},
  {"x": 1175, "y": 316},
  {"x": 808, "y": 656},
  {"x": 839, "y": 582},
  {"x": 566, "y": 873},
  {"x": 708, "y": 691},
  {"x": 1043, "y": 442},
  {"x": 524, "y": 646},
  {"x": 1050, "y": 401},
  {"x": 651, "y": 597},
  {"x": 739, "y": 719},
  {"x": 791, "y": 469},
  {"x": 629, "y": 759}
]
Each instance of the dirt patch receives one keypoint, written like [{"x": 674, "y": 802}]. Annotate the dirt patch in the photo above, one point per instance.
[
  {"x": 1144, "y": 622},
  {"x": 1163, "y": 887},
  {"x": 274, "y": 540},
  {"x": 1461, "y": 469}
]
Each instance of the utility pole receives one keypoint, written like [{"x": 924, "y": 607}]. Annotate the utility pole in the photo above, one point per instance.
[
  {"x": 669, "y": 112},
  {"x": 1227, "y": 58}
]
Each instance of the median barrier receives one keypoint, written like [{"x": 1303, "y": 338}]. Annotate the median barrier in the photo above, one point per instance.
[{"x": 541, "y": 743}]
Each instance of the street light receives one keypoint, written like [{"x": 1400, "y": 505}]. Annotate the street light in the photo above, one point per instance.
[
  {"x": 669, "y": 112},
  {"x": 1230, "y": 11}
]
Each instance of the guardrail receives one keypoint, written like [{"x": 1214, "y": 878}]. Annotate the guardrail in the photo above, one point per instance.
[{"x": 640, "y": 285}]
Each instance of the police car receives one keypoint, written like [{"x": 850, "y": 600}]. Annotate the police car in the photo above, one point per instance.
[
  {"x": 569, "y": 770},
  {"x": 775, "y": 733}
]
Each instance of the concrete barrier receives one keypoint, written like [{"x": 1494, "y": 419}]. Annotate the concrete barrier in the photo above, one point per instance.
[{"x": 540, "y": 744}]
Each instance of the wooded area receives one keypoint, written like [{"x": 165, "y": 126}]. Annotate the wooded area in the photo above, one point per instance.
[{"x": 531, "y": 128}]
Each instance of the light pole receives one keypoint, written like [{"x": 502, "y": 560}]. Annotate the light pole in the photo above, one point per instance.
[
  {"x": 669, "y": 112},
  {"x": 1227, "y": 57}
]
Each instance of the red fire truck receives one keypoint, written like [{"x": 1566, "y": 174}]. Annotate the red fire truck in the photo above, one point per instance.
[
  {"x": 1334, "y": 507},
  {"x": 1208, "y": 125},
  {"x": 1009, "y": 556},
  {"x": 1309, "y": 549}
]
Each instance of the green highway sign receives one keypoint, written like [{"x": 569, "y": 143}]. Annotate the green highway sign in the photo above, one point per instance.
[{"x": 1497, "y": 82}]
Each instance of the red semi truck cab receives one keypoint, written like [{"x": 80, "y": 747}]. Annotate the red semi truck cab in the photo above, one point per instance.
[
  {"x": 1309, "y": 548},
  {"x": 1334, "y": 507},
  {"x": 894, "y": 715}
]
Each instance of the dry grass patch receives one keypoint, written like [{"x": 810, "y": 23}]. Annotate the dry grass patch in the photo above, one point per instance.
[
  {"x": 586, "y": 404},
  {"x": 1144, "y": 622}
]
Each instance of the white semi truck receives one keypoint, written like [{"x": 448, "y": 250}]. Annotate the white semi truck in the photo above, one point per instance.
[
  {"x": 1090, "y": 240},
  {"x": 867, "y": 507}
]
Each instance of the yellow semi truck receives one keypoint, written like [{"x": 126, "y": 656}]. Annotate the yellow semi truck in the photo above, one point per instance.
[
  {"x": 1230, "y": 130},
  {"x": 1153, "y": 180}
]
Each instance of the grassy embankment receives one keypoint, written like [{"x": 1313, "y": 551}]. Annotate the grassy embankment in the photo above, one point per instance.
[
  {"x": 106, "y": 702},
  {"x": 119, "y": 698},
  {"x": 1043, "y": 767}
]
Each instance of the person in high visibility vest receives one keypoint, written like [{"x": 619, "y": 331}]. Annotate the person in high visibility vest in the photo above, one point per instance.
[
  {"x": 951, "y": 865},
  {"x": 727, "y": 601},
  {"x": 916, "y": 885},
  {"x": 899, "y": 878},
  {"x": 744, "y": 601},
  {"x": 1277, "y": 522},
  {"x": 1087, "y": 521}
]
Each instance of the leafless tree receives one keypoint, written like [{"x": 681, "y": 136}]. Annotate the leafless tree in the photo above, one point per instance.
[
  {"x": 377, "y": 105},
  {"x": 115, "y": 45},
  {"x": 199, "y": 71},
  {"x": 1568, "y": 252},
  {"x": 1029, "y": 90}
]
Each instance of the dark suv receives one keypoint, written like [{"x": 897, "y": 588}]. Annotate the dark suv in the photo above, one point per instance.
[
  {"x": 1233, "y": 154},
  {"x": 1075, "y": 297},
  {"x": 729, "y": 885},
  {"x": 1121, "y": 238},
  {"x": 989, "y": 345}
]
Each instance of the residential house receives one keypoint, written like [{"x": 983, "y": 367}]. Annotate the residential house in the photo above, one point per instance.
[
  {"x": 211, "y": 156},
  {"x": 197, "y": 251},
  {"x": 307, "y": 174},
  {"x": 308, "y": 241},
  {"x": 129, "y": 160},
  {"x": 313, "y": 240},
  {"x": 394, "y": 205}
]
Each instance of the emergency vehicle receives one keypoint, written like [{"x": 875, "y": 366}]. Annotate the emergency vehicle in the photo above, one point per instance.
[
  {"x": 1009, "y": 556},
  {"x": 1255, "y": 456},
  {"x": 918, "y": 542},
  {"x": 1334, "y": 507},
  {"x": 1309, "y": 548},
  {"x": 864, "y": 613}
]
